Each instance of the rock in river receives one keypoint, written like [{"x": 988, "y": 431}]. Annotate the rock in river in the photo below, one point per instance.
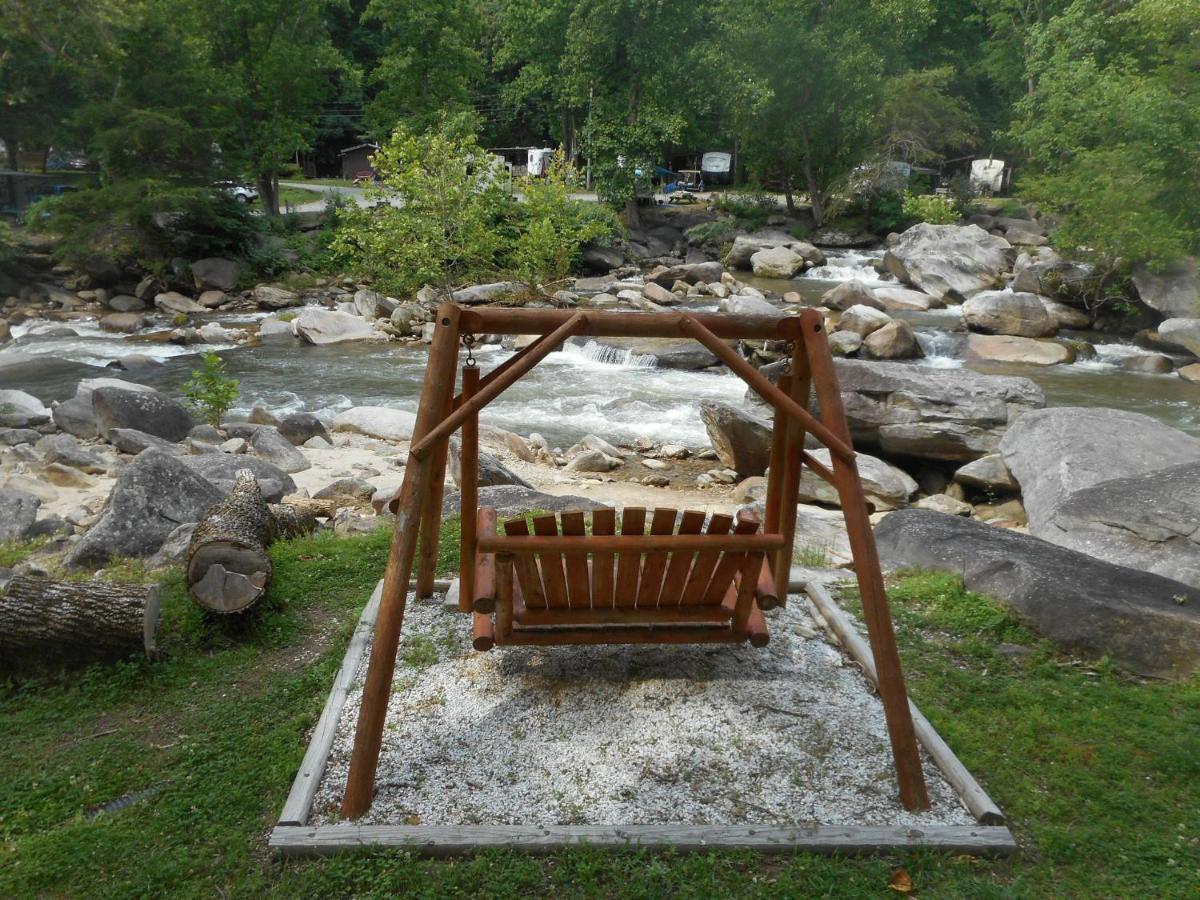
[
  {"x": 1004, "y": 348},
  {"x": 21, "y": 410},
  {"x": 1145, "y": 622},
  {"x": 951, "y": 262},
  {"x": 1009, "y": 312},
  {"x": 329, "y": 326},
  {"x": 147, "y": 411}
]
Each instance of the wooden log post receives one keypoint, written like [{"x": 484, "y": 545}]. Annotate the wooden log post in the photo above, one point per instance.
[
  {"x": 47, "y": 625},
  {"x": 469, "y": 495},
  {"x": 227, "y": 568},
  {"x": 892, "y": 693},
  {"x": 408, "y": 506},
  {"x": 798, "y": 389}
]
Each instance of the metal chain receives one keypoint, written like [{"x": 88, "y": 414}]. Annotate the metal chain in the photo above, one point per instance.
[{"x": 468, "y": 341}]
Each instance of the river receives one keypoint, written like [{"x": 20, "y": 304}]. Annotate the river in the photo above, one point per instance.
[{"x": 578, "y": 390}]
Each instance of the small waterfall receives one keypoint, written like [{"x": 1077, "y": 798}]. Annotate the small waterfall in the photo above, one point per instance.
[
  {"x": 613, "y": 356},
  {"x": 850, "y": 265},
  {"x": 942, "y": 349}
]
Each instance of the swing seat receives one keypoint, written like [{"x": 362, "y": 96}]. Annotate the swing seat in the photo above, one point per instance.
[{"x": 682, "y": 583}]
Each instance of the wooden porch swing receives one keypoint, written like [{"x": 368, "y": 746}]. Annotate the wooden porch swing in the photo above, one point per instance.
[{"x": 561, "y": 585}]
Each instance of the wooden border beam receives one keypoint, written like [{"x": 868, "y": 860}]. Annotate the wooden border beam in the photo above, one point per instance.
[{"x": 600, "y": 323}]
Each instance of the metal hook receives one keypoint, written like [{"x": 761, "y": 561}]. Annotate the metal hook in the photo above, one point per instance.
[{"x": 468, "y": 341}]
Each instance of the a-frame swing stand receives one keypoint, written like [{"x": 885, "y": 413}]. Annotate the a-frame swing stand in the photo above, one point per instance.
[{"x": 418, "y": 502}]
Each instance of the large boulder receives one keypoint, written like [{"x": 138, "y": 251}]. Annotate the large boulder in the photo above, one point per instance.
[
  {"x": 516, "y": 500},
  {"x": 330, "y": 326},
  {"x": 951, "y": 262},
  {"x": 692, "y": 273},
  {"x": 381, "y": 422},
  {"x": 1149, "y": 522},
  {"x": 221, "y": 469},
  {"x": 886, "y": 486},
  {"x": 133, "y": 442},
  {"x": 1003, "y": 348},
  {"x": 270, "y": 297},
  {"x": 492, "y": 472},
  {"x": 746, "y": 245},
  {"x": 18, "y": 512},
  {"x": 1183, "y": 333},
  {"x": 1008, "y": 312},
  {"x": 301, "y": 427},
  {"x": 1145, "y": 622},
  {"x": 1066, "y": 282},
  {"x": 1175, "y": 292},
  {"x": 21, "y": 410},
  {"x": 485, "y": 293},
  {"x": 153, "y": 496},
  {"x": 147, "y": 411},
  {"x": 174, "y": 303},
  {"x": 272, "y": 446},
  {"x": 741, "y": 439},
  {"x": 948, "y": 414},
  {"x": 1119, "y": 483},
  {"x": 895, "y": 340},
  {"x": 76, "y": 415},
  {"x": 776, "y": 262},
  {"x": 849, "y": 294},
  {"x": 215, "y": 274},
  {"x": 862, "y": 320},
  {"x": 893, "y": 297},
  {"x": 65, "y": 450}
]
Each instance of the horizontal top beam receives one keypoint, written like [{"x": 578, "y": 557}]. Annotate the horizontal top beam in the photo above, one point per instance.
[{"x": 597, "y": 323}]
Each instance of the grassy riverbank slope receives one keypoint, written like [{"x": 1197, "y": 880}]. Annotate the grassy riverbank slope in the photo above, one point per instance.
[{"x": 1099, "y": 773}]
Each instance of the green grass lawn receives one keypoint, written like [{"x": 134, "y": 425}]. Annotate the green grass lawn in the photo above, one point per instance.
[
  {"x": 1099, "y": 773},
  {"x": 294, "y": 196}
]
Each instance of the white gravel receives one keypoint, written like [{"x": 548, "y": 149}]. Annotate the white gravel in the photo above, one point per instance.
[{"x": 697, "y": 735}]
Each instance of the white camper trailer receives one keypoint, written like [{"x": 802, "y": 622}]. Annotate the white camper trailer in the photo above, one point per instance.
[
  {"x": 538, "y": 161},
  {"x": 988, "y": 176},
  {"x": 715, "y": 167}
]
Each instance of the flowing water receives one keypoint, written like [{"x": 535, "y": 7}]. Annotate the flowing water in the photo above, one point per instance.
[{"x": 591, "y": 388}]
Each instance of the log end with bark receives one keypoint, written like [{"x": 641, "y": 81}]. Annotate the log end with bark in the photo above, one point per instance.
[{"x": 227, "y": 568}]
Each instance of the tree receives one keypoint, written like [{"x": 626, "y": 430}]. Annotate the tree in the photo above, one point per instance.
[
  {"x": 1112, "y": 129},
  {"x": 813, "y": 74},
  {"x": 276, "y": 67}
]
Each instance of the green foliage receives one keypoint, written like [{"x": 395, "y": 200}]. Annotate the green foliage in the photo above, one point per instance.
[
  {"x": 443, "y": 230},
  {"x": 1112, "y": 128},
  {"x": 210, "y": 392},
  {"x": 553, "y": 228},
  {"x": 143, "y": 221},
  {"x": 749, "y": 209},
  {"x": 14, "y": 552},
  {"x": 7, "y": 251},
  {"x": 930, "y": 208}
]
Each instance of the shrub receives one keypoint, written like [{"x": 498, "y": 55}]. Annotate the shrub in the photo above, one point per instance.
[
  {"x": 931, "y": 209},
  {"x": 210, "y": 392},
  {"x": 750, "y": 209}
]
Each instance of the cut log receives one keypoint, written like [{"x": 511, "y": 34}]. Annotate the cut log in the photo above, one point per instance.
[
  {"x": 227, "y": 566},
  {"x": 322, "y": 509},
  {"x": 47, "y": 625}
]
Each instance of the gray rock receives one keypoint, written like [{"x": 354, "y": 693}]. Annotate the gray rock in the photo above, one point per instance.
[
  {"x": 260, "y": 416},
  {"x": 381, "y": 422},
  {"x": 895, "y": 340},
  {"x": 302, "y": 427},
  {"x": 76, "y": 416},
  {"x": 329, "y": 326},
  {"x": 862, "y": 320},
  {"x": 844, "y": 343},
  {"x": 592, "y": 461},
  {"x": 988, "y": 473},
  {"x": 272, "y": 446},
  {"x": 1145, "y": 622},
  {"x": 367, "y": 304},
  {"x": 1007, "y": 348},
  {"x": 215, "y": 274},
  {"x": 1065, "y": 316},
  {"x": 174, "y": 302},
  {"x": 692, "y": 273},
  {"x": 18, "y": 512},
  {"x": 153, "y": 496},
  {"x": 123, "y": 323},
  {"x": 206, "y": 432},
  {"x": 174, "y": 548},
  {"x": 12, "y": 437},
  {"x": 601, "y": 259},
  {"x": 270, "y": 297},
  {"x": 948, "y": 414},
  {"x": 776, "y": 262},
  {"x": 1053, "y": 453},
  {"x": 491, "y": 470},
  {"x": 513, "y": 500},
  {"x": 357, "y": 489},
  {"x": 741, "y": 438},
  {"x": 21, "y": 410},
  {"x": 1175, "y": 293},
  {"x": 64, "y": 449},
  {"x": 748, "y": 305},
  {"x": 124, "y": 303},
  {"x": 849, "y": 294},
  {"x": 221, "y": 468},
  {"x": 903, "y": 298},
  {"x": 944, "y": 503},
  {"x": 48, "y": 527},
  {"x": 951, "y": 262},
  {"x": 484, "y": 293},
  {"x": 147, "y": 411},
  {"x": 1183, "y": 333},
  {"x": 133, "y": 442},
  {"x": 212, "y": 299},
  {"x": 885, "y": 485},
  {"x": 1006, "y": 312},
  {"x": 1063, "y": 281},
  {"x": 271, "y": 330}
]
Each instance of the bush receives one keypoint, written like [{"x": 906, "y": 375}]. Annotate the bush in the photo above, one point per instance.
[
  {"x": 931, "y": 209},
  {"x": 144, "y": 221},
  {"x": 750, "y": 209},
  {"x": 210, "y": 392}
]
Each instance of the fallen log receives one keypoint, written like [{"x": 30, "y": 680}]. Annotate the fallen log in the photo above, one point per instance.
[
  {"x": 47, "y": 625},
  {"x": 227, "y": 567},
  {"x": 322, "y": 509}
]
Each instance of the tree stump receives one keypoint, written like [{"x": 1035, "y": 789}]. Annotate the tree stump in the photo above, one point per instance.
[
  {"x": 46, "y": 625},
  {"x": 227, "y": 568}
]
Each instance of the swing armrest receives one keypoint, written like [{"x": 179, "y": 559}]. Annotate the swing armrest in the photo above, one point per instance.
[{"x": 484, "y": 600}]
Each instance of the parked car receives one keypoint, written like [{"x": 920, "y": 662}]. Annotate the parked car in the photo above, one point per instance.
[{"x": 242, "y": 193}]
